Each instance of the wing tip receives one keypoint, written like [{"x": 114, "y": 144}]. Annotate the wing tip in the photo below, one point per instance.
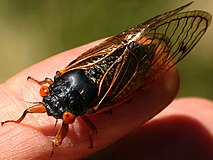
[{"x": 184, "y": 6}]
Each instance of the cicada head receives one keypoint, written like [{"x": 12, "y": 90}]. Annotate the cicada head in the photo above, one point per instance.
[{"x": 72, "y": 93}]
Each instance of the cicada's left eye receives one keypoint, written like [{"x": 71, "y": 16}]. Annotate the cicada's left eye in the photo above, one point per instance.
[{"x": 44, "y": 91}]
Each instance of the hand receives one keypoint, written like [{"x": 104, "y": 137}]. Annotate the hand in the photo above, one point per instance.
[{"x": 32, "y": 137}]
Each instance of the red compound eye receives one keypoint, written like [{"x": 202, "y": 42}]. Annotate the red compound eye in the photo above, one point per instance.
[{"x": 44, "y": 91}]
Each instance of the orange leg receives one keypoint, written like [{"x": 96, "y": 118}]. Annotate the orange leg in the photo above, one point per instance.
[
  {"x": 61, "y": 134},
  {"x": 92, "y": 128},
  {"x": 46, "y": 80},
  {"x": 39, "y": 108}
]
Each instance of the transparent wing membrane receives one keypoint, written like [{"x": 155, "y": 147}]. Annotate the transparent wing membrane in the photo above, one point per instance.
[{"x": 174, "y": 38}]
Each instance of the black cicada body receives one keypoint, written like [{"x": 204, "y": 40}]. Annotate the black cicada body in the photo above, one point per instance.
[{"x": 112, "y": 71}]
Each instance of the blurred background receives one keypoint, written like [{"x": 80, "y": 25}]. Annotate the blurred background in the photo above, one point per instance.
[{"x": 31, "y": 31}]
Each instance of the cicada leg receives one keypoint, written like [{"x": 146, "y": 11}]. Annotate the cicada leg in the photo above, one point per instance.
[
  {"x": 61, "y": 134},
  {"x": 39, "y": 108},
  {"x": 46, "y": 80},
  {"x": 92, "y": 128}
]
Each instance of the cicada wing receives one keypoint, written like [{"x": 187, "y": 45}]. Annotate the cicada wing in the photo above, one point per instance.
[
  {"x": 114, "y": 43},
  {"x": 143, "y": 27},
  {"x": 103, "y": 49},
  {"x": 137, "y": 56},
  {"x": 160, "y": 46},
  {"x": 174, "y": 38}
]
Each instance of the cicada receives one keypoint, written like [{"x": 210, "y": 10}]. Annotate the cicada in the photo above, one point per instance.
[{"x": 109, "y": 73}]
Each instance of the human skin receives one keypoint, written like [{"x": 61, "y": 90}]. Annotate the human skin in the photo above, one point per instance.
[
  {"x": 31, "y": 139},
  {"x": 183, "y": 131}
]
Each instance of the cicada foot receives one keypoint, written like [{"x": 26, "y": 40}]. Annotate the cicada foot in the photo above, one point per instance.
[
  {"x": 39, "y": 108},
  {"x": 45, "y": 81},
  {"x": 61, "y": 134}
]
